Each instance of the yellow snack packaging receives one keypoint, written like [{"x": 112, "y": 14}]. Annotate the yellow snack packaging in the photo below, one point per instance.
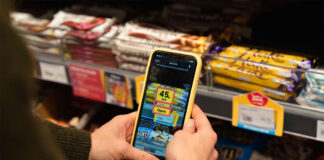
[
  {"x": 261, "y": 67},
  {"x": 252, "y": 76},
  {"x": 263, "y": 56},
  {"x": 285, "y": 96}
]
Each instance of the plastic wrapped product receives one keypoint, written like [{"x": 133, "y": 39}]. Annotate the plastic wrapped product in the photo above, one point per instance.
[
  {"x": 252, "y": 76},
  {"x": 262, "y": 56},
  {"x": 121, "y": 58},
  {"x": 132, "y": 67},
  {"x": 315, "y": 82},
  {"x": 46, "y": 50},
  {"x": 140, "y": 40},
  {"x": 28, "y": 23},
  {"x": 41, "y": 40},
  {"x": 70, "y": 21},
  {"x": 285, "y": 96},
  {"x": 305, "y": 99}
]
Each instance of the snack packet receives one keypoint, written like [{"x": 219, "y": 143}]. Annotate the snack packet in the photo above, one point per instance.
[
  {"x": 262, "y": 56},
  {"x": 285, "y": 96},
  {"x": 252, "y": 76}
]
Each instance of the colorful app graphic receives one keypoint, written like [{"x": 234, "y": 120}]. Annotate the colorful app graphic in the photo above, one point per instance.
[{"x": 162, "y": 115}]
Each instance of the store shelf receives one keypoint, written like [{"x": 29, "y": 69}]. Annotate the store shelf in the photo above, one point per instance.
[{"x": 217, "y": 102}]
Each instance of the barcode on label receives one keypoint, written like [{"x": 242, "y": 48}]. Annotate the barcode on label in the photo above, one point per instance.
[
  {"x": 247, "y": 118},
  {"x": 256, "y": 116}
]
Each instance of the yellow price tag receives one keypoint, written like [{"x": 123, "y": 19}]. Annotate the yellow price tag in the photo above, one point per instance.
[
  {"x": 256, "y": 112},
  {"x": 164, "y": 95},
  {"x": 120, "y": 93},
  {"x": 161, "y": 111},
  {"x": 139, "y": 82}
]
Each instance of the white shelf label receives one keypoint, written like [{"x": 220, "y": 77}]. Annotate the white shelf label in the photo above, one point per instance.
[
  {"x": 53, "y": 72},
  {"x": 320, "y": 130},
  {"x": 256, "y": 116}
]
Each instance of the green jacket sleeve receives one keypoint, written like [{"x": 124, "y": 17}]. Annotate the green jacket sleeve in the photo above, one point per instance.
[{"x": 74, "y": 143}]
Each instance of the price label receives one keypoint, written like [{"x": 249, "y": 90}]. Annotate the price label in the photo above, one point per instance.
[
  {"x": 256, "y": 112},
  {"x": 161, "y": 111},
  {"x": 53, "y": 72},
  {"x": 139, "y": 83},
  {"x": 164, "y": 95},
  {"x": 320, "y": 130},
  {"x": 256, "y": 116},
  {"x": 87, "y": 82}
]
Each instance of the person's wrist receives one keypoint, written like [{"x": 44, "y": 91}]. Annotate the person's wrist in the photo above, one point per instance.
[{"x": 91, "y": 152}]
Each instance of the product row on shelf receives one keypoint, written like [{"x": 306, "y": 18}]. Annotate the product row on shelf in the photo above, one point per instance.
[
  {"x": 116, "y": 86},
  {"x": 101, "y": 41},
  {"x": 100, "y": 53}
]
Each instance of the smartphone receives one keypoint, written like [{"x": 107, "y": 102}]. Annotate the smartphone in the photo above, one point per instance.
[{"x": 167, "y": 99}]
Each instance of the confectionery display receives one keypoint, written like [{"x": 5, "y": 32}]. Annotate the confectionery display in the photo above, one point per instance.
[
  {"x": 128, "y": 44},
  {"x": 100, "y": 50},
  {"x": 277, "y": 75}
]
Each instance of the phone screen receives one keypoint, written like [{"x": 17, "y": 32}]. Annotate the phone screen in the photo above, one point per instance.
[{"x": 164, "y": 103}]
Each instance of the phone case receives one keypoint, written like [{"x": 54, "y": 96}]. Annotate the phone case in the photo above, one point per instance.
[{"x": 192, "y": 92}]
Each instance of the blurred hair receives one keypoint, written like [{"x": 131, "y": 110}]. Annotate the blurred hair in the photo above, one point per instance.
[{"x": 21, "y": 137}]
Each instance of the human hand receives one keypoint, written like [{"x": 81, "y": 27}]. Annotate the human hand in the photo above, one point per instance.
[
  {"x": 195, "y": 141},
  {"x": 112, "y": 140}
]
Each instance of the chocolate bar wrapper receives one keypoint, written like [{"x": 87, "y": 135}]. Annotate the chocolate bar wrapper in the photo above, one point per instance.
[
  {"x": 262, "y": 56},
  {"x": 132, "y": 67},
  {"x": 252, "y": 76},
  {"x": 262, "y": 67},
  {"x": 70, "y": 21},
  {"x": 285, "y": 96}
]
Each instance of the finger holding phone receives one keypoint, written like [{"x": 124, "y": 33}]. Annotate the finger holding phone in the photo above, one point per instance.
[{"x": 195, "y": 141}]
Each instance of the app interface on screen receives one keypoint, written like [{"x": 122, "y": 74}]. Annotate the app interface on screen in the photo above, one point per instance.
[{"x": 165, "y": 101}]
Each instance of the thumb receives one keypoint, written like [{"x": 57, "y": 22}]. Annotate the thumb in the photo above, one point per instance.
[
  {"x": 190, "y": 126},
  {"x": 136, "y": 154}
]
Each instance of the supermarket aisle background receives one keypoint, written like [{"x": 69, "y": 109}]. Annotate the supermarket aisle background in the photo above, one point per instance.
[{"x": 293, "y": 27}]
